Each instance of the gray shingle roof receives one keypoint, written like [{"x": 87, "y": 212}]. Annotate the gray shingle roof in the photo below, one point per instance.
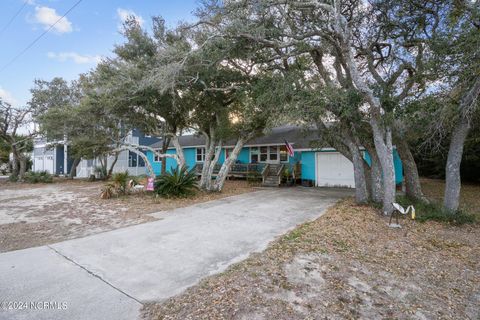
[{"x": 299, "y": 137}]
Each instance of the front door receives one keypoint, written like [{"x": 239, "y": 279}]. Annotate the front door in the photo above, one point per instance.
[{"x": 269, "y": 154}]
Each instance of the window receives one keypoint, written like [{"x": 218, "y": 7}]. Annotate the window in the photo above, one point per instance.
[
  {"x": 283, "y": 154},
  {"x": 263, "y": 154},
  {"x": 273, "y": 153},
  {"x": 141, "y": 162},
  {"x": 132, "y": 159},
  {"x": 89, "y": 162},
  {"x": 157, "y": 158},
  {"x": 254, "y": 155},
  {"x": 200, "y": 154}
]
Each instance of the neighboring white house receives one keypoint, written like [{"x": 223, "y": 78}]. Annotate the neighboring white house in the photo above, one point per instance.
[{"x": 53, "y": 157}]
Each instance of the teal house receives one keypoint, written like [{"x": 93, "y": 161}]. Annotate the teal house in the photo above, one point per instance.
[{"x": 324, "y": 167}]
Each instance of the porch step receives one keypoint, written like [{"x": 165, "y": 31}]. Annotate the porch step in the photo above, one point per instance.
[
  {"x": 271, "y": 181},
  {"x": 273, "y": 169}
]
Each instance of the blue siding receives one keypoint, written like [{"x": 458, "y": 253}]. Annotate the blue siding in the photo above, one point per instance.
[
  {"x": 171, "y": 163},
  {"x": 297, "y": 157},
  {"x": 221, "y": 159},
  {"x": 244, "y": 156},
  {"x": 397, "y": 163},
  {"x": 308, "y": 165},
  {"x": 190, "y": 158}
]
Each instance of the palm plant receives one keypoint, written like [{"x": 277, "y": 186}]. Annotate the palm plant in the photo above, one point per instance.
[
  {"x": 178, "y": 183},
  {"x": 120, "y": 179}
]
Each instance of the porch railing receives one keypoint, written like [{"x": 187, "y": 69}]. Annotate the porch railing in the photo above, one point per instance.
[{"x": 262, "y": 169}]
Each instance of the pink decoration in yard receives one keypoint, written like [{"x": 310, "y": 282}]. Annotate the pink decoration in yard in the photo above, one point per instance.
[{"x": 150, "y": 184}]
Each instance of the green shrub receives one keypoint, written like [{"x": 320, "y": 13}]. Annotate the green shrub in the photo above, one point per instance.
[
  {"x": 120, "y": 179},
  {"x": 13, "y": 178},
  {"x": 178, "y": 183},
  {"x": 36, "y": 177},
  {"x": 433, "y": 211}
]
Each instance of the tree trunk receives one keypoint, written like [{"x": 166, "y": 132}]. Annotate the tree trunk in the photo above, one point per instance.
[
  {"x": 384, "y": 150},
  {"x": 361, "y": 194},
  {"x": 103, "y": 166},
  {"x": 377, "y": 181},
  {"x": 368, "y": 179},
  {"x": 112, "y": 166},
  {"x": 73, "y": 170},
  {"x": 23, "y": 167},
  {"x": 14, "y": 162},
  {"x": 179, "y": 150},
  {"x": 209, "y": 151},
  {"x": 213, "y": 163},
  {"x": 452, "y": 168},
  {"x": 413, "y": 188},
  {"x": 382, "y": 134},
  {"x": 165, "y": 143},
  {"x": 222, "y": 174}
]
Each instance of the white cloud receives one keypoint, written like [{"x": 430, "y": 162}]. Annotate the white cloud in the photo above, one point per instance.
[
  {"x": 7, "y": 97},
  {"x": 124, "y": 14},
  {"x": 75, "y": 57},
  {"x": 48, "y": 16}
]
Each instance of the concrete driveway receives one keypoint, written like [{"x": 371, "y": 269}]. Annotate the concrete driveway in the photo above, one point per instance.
[{"x": 110, "y": 275}]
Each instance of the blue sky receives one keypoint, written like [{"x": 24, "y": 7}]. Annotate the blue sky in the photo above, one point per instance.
[{"x": 75, "y": 45}]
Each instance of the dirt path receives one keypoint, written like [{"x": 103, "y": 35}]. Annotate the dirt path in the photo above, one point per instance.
[{"x": 33, "y": 215}]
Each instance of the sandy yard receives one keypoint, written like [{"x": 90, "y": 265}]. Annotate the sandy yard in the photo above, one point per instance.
[{"x": 38, "y": 214}]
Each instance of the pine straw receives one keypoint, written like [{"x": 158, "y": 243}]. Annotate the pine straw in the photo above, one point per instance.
[
  {"x": 346, "y": 265},
  {"x": 469, "y": 194}
]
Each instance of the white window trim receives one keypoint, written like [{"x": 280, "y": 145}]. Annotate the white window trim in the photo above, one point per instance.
[
  {"x": 203, "y": 155},
  {"x": 268, "y": 153}
]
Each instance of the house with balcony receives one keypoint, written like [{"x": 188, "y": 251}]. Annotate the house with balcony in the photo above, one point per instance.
[{"x": 53, "y": 157}]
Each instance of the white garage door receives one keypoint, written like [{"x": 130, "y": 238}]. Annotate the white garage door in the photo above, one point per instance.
[
  {"x": 38, "y": 165},
  {"x": 49, "y": 164},
  {"x": 334, "y": 170}
]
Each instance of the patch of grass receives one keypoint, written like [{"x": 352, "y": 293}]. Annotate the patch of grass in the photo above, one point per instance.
[
  {"x": 297, "y": 233},
  {"x": 434, "y": 211}
]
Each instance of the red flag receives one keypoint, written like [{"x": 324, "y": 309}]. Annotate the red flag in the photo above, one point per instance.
[{"x": 289, "y": 148}]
